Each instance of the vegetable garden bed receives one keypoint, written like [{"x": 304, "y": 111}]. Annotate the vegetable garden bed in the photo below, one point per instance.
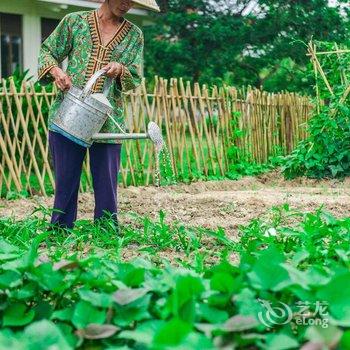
[{"x": 273, "y": 275}]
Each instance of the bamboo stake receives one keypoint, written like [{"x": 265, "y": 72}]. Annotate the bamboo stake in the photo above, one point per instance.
[
  {"x": 330, "y": 52},
  {"x": 312, "y": 50},
  {"x": 38, "y": 136},
  {"x": 204, "y": 123},
  {"x": 316, "y": 83},
  {"x": 163, "y": 87},
  {"x": 10, "y": 165},
  {"x": 212, "y": 132},
  {"x": 11, "y": 146},
  {"x": 27, "y": 137},
  {"x": 191, "y": 130}
]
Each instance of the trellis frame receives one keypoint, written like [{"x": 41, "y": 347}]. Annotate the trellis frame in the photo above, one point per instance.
[{"x": 318, "y": 69}]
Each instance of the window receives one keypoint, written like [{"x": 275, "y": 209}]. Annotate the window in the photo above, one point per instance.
[
  {"x": 11, "y": 45},
  {"x": 47, "y": 27}
]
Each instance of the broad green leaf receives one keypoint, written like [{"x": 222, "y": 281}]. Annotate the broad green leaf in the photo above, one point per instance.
[
  {"x": 17, "y": 315},
  {"x": 300, "y": 256},
  {"x": 225, "y": 267},
  {"x": 98, "y": 331},
  {"x": 10, "y": 279},
  {"x": 159, "y": 283},
  {"x": 172, "y": 333},
  {"x": 253, "y": 336},
  {"x": 247, "y": 303},
  {"x": 85, "y": 313},
  {"x": 222, "y": 282},
  {"x": 188, "y": 286},
  {"x": 45, "y": 334},
  {"x": 181, "y": 302},
  {"x": 28, "y": 258},
  {"x": 187, "y": 311},
  {"x": 9, "y": 256},
  {"x": 22, "y": 262},
  {"x": 65, "y": 265},
  {"x": 135, "y": 311},
  {"x": 143, "y": 263},
  {"x": 296, "y": 276},
  {"x": 96, "y": 299},
  {"x": 63, "y": 315},
  {"x": 267, "y": 274},
  {"x": 211, "y": 314},
  {"x": 328, "y": 336},
  {"x": 130, "y": 275},
  {"x": 7, "y": 248},
  {"x": 194, "y": 341},
  {"x": 144, "y": 332},
  {"x": 50, "y": 279},
  {"x": 317, "y": 275},
  {"x": 127, "y": 296},
  {"x": 11, "y": 340},
  {"x": 310, "y": 345},
  {"x": 25, "y": 292},
  {"x": 343, "y": 254},
  {"x": 43, "y": 309},
  {"x": 336, "y": 293},
  {"x": 345, "y": 340},
  {"x": 281, "y": 342},
  {"x": 239, "y": 323},
  {"x": 219, "y": 300},
  {"x": 69, "y": 333},
  {"x": 207, "y": 328}
]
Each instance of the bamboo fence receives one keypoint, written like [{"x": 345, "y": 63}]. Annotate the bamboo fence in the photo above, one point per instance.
[{"x": 200, "y": 127}]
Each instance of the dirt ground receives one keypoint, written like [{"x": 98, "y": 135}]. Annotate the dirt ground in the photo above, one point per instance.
[{"x": 227, "y": 203}]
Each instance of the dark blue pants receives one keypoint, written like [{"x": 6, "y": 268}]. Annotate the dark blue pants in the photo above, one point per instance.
[{"x": 67, "y": 158}]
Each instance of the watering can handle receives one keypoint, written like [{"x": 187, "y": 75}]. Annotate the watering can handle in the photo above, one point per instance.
[{"x": 92, "y": 81}]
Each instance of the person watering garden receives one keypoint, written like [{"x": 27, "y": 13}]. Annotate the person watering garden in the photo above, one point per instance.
[{"x": 92, "y": 40}]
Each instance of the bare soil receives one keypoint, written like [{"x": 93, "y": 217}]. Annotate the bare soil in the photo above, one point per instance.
[{"x": 227, "y": 203}]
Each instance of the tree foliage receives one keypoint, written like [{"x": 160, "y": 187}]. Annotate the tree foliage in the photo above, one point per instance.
[{"x": 240, "y": 42}]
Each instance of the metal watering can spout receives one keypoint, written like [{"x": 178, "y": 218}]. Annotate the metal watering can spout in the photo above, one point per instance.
[
  {"x": 82, "y": 114},
  {"x": 153, "y": 133}
]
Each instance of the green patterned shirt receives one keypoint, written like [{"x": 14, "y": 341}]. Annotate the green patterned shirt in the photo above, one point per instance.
[{"x": 78, "y": 37}]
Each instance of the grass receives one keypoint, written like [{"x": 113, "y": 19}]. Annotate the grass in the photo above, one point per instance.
[{"x": 142, "y": 235}]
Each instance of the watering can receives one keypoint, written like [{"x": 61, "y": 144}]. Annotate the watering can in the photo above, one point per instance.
[{"x": 81, "y": 116}]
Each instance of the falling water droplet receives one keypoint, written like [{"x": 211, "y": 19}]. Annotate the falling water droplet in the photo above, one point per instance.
[
  {"x": 157, "y": 168},
  {"x": 162, "y": 153},
  {"x": 166, "y": 167}
]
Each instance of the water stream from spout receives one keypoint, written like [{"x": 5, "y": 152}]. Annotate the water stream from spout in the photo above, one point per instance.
[
  {"x": 163, "y": 167},
  {"x": 162, "y": 152}
]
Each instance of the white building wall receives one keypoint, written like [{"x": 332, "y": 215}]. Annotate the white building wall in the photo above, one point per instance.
[
  {"x": 32, "y": 12},
  {"x": 31, "y": 42}
]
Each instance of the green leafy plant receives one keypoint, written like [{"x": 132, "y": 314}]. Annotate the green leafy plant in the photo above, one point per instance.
[
  {"x": 241, "y": 160},
  {"x": 98, "y": 301},
  {"x": 325, "y": 153}
]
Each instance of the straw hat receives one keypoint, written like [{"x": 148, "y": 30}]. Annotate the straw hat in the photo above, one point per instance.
[{"x": 147, "y": 4}]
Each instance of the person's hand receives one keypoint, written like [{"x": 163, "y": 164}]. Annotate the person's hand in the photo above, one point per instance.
[
  {"x": 63, "y": 81},
  {"x": 113, "y": 69}
]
